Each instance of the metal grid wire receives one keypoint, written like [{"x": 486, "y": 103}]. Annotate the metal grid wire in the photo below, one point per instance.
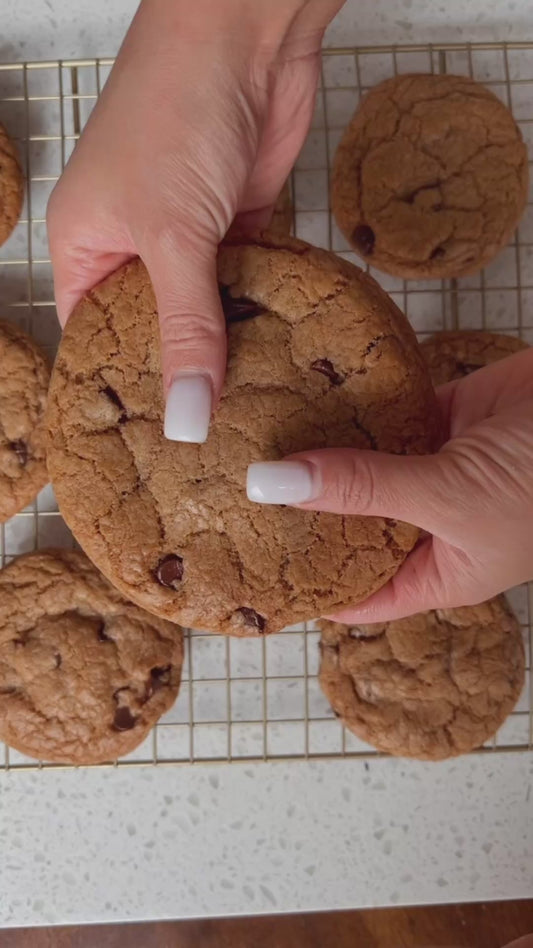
[{"x": 259, "y": 699}]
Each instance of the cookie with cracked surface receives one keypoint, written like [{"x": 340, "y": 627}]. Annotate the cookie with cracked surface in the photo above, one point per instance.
[
  {"x": 11, "y": 186},
  {"x": 84, "y": 674},
  {"x": 24, "y": 379},
  {"x": 431, "y": 177},
  {"x": 431, "y": 686},
  {"x": 318, "y": 356},
  {"x": 452, "y": 355}
]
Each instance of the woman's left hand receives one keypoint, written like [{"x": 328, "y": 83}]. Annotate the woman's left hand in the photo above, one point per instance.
[{"x": 474, "y": 498}]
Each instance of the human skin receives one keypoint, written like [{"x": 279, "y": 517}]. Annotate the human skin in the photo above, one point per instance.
[
  {"x": 200, "y": 122},
  {"x": 473, "y": 499}
]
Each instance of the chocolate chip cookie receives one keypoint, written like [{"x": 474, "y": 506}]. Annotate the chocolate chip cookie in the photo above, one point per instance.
[
  {"x": 452, "y": 355},
  {"x": 11, "y": 186},
  {"x": 318, "y": 356},
  {"x": 431, "y": 686},
  {"x": 84, "y": 674},
  {"x": 431, "y": 177},
  {"x": 24, "y": 378}
]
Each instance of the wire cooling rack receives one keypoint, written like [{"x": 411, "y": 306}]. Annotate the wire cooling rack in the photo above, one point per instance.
[{"x": 259, "y": 699}]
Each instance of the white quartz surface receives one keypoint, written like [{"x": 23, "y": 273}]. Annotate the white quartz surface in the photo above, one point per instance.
[
  {"x": 40, "y": 29},
  {"x": 101, "y": 845},
  {"x": 134, "y": 843}
]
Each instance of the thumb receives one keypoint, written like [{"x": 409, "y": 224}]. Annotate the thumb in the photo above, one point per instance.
[
  {"x": 348, "y": 481},
  {"x": 430, "y": 492},
  {"x": 193, "y": 333}
]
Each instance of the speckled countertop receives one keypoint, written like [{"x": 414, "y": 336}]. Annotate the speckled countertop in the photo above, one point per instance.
[{"x": 170, "y": 842}]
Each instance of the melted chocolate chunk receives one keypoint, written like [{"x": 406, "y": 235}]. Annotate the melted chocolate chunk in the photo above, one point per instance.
[
  {"x": 237, "y": 309},
  {"x": 169, "y": 571},
  {"x": 252, "y": 618},
  {"x": 326, "y": 368},
  {"x": 124, "y": 720},
  {"x": 465, "y": 368},
  {"x": 374, "y": 632},
  {"x": 114, "y": 397},
  {"x": 101, "y": 633},
  {"x": 159, "y": 678},
  {"x": 437, "y": 253},
  {"x": 20, "y": 448},
  {"x": 364, "y": 238},
  {"x": 58, "y": 660}
]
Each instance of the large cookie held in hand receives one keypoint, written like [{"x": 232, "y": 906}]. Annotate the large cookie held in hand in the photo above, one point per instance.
[
  {"x": 318, "y": 356},
  {"x": 431, "y": 686}
]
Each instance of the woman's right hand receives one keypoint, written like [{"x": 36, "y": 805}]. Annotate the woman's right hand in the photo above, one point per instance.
[{"x": 200, "y": 121}]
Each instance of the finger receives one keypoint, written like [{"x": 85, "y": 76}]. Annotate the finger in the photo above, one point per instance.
[
  {"x": 76, "y": 266},
  {"x": 431, "y": 577},
  {"x": 76, "y": 273},
  {"x": 193, "y": 334},
  {"x": 250, "y": 222},
  {"x": 348, "y": 481}
]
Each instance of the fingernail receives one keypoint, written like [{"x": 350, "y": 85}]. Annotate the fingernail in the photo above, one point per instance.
[
  {"x": 280, "y": 482},
  {"x": 188, "y": 409}
]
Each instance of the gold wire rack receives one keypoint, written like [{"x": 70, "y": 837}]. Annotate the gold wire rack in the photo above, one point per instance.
[{"x": 259, "y": 699}]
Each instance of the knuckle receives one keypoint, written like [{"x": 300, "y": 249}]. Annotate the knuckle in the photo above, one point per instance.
[
  {"x": 172, "y": 233},
  {"x": 354, "y": 488},
  {"x": 185, "y": 331}
]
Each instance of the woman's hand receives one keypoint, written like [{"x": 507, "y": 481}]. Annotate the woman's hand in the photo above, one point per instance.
[
  {"x": 201, "y": 120},
  {"x": 474, "y": 498}
]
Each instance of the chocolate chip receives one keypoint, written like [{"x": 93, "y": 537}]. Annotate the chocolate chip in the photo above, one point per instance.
[
  {"x": 364, "y": 238},
  {"x": 101, "y": 633},
  {"x": 21, "y": 450},
  {"x": 465, "y": 368},
  {"x": 58, "y": 660},
  {"x": 114, "y": 397},
  {"x": 159, "y": 677},
  {"x": 326, "y": 368},
  {"x": 369, "y": 632},
  {"x": 437, "y": 253},
  {"x": 169, "y": 571},
  {"x": 252, "y": 618},
  {"x": 354, "y": 632},
  {"x": 124, "y": 720},
  {"x": 238, "y": 308}
]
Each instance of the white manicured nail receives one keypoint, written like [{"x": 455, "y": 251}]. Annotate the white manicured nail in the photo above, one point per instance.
[
  {"x": 280, "y": 482},
  {"x": 188, "y": 409}
]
